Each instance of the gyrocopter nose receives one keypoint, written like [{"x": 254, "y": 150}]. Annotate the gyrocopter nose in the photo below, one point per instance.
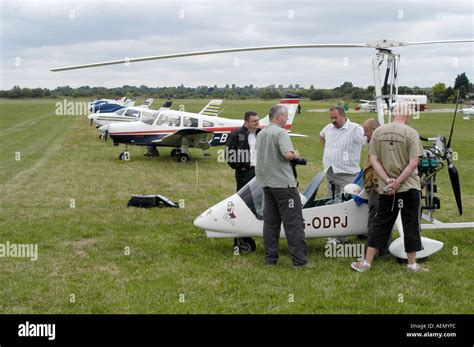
[
  {"x": 221, "y": 217},
  {"x": 205, "y": 220}
]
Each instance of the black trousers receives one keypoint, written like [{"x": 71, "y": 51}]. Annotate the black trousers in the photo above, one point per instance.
[
  {"x": 242, "y": 177},
  {"x": 283, "y": 205},
  {"x": 373, "y": 206},
  {"x": 409, "y": 203}
]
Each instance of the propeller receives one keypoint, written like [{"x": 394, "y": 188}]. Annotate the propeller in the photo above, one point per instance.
[
  {"x": 383, "y": 44},
  {"x": 453, "y": 172},
  {"x": 106, "y": 135},
  {"x": 91, "y": 122},
  {"x": 454, "y": 177}
]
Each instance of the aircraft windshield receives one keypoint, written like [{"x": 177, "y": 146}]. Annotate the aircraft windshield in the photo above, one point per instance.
[
  {"x": 120, "y": 112},
  {"x": 171, "y": 120},
  {"x": 252, "y": 195},
  {"x": 150, "y": 119},
  {"x": 132, "y": 113}
]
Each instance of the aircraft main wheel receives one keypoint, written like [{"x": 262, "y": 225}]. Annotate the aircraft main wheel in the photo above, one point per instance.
[
  {"x": 246, "y": 245},
  {"x": 175, "y": 152},
  {"x": 124, "y": 156},
  {"x": 183, "y": 157}
]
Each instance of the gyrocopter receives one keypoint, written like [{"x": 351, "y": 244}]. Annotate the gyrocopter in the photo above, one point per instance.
[{"x": 240, "y": 215}]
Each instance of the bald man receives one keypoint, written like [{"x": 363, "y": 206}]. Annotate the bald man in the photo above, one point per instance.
[{"x": 394, "y": 152}]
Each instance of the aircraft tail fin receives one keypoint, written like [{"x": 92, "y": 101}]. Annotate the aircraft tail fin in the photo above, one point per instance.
[
  {"x": 212, "y": 108},
  {"x": 167, "y": 105},
  {"x": 148, "y": 102},
  {"x": 292, "y": 104}
]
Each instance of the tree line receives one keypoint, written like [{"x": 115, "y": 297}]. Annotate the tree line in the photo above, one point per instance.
[{"x": 346, "y": 91}]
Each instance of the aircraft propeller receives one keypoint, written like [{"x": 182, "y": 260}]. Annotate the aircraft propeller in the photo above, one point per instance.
[{"x": 453, "y": 172}]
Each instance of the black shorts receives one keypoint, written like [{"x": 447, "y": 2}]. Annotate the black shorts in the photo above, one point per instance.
[{"x": 409, "y": 203}]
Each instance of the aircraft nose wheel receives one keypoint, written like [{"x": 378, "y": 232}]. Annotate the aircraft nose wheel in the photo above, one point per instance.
[
  {"x": 124, "y": 156},
  {"x": 175, "y": 152},
  {"x": 245, "y": 245},
  {"x": 183, "y": 157}
]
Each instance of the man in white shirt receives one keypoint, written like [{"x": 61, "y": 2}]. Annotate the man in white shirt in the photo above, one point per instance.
[{"x": 342, "y": 141}]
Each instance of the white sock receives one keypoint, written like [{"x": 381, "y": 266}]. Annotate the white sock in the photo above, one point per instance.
[
  {"x": 366, "y": 264},
  {"x": 412, "y": 266}
]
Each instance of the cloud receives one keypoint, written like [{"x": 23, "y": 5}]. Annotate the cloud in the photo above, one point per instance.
[{"x": 42, "y": 35}]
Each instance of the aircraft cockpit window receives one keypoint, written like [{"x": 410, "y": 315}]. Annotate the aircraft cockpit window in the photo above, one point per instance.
[
  {"x": 252, "y": 195},
  {"x": 207, "y": 124},
  {"x": 168, "y": 120},
  {"x": 120, "y": 112},
  {"x": 150, "y": 119},
  {"x": 190, "y": 122},
  {"x": 132, "y": 113},
  {"x": 146, "y": 113}
]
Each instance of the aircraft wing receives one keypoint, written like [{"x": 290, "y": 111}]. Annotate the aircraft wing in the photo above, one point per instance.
[
  {"x": 187, "y": 136},
  {"x": 297, "y": 135}
]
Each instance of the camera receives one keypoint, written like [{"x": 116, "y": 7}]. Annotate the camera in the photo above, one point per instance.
[{"x": 299, "y": 161}]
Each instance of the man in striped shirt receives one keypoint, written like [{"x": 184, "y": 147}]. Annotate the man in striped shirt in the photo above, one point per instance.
[{"x": 342, "y": 141}]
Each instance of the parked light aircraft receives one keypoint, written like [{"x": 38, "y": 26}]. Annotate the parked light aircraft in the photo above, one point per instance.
[
  {"x": 240, "y": 215},
  {"x": 126, "y": 114},
  {"x": 182, "y": 130},
  {"x": 109, "y": 105},
  {"x": 468, "y": 112},
  {"x": 369, "y": 106}
]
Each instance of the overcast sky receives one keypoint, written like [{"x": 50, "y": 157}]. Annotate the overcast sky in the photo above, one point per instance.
[{"x": 39, "y": 35}]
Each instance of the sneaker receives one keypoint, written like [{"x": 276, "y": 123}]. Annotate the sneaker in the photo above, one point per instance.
[
  {"x": 418, "y": 268},
  {"x": 336, "y": 240},
  {"x": 360, "y": 266}
]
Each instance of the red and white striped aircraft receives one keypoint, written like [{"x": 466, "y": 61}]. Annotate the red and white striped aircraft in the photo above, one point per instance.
[{"x": 181, "y": 130}]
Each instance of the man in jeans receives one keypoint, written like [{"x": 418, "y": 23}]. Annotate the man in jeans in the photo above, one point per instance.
[
  {"x": 281, "y": 198},
  {"x": 394, "y": 153}
]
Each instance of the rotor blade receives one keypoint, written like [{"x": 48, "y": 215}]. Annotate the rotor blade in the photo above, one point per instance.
[
  {"x": 218, "y": 51},
  {"x": 434, "y": 42},
  {"x": 454, "y": 177},
  {"x": 454, "y": 118}
]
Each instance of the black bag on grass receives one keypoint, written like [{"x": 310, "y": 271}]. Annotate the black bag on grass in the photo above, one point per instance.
[{"x": 147, "y": 201}]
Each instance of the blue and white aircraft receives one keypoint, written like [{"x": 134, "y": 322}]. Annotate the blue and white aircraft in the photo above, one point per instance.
[
  {"x": 126, "y": 114},
  {"x": 109, "y": 105}
]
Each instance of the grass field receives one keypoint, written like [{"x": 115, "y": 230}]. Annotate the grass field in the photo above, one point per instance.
[{"x": 83, "y": 266}]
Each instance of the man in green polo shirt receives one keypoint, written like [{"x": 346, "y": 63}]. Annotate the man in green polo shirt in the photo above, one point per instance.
[{"x": 282, "y": 201}]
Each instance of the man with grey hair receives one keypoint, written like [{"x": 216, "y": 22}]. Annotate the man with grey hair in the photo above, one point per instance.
[
  {"x": 342, "y": 141},
  {"x": 281, "y": 198}
]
